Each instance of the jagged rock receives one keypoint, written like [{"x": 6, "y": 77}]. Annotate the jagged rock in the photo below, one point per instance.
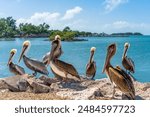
[
  {"x": 55, "y": 86},
  {"x": 3, "y": 84},
  {"x": 37, "y": 87},
  {"x": 22, "y": 84},
  {"x": 48, "y": 81},
  {"x": 84, "y": 90},
  {"x": 15, "y": 83},
  {"x": 4, "y": 91},
  {"x": 99, "y": 89}
]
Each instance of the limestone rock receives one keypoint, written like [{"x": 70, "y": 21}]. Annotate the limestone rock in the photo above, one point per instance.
[
  {"x": 22, "y": 84},
  {"x": 48, "y": 81},
  {"x": 37, "y": 87},
  {"x": 3, "y": 84}
]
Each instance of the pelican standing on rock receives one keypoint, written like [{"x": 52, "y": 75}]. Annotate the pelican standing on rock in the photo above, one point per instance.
[
  {"x": 127, "y": 63},
  {"x": 14, "y": 68},
  {"x": 118, "y": 77},
  {"x": 56, "y": 45},
  {"x": 32, "y": 64},
  {"x": 61, "y": 69},
  {"x": 91, "y": 66}
]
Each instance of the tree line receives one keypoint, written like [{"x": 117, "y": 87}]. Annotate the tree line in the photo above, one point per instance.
[{"x": 8, "y": 29}]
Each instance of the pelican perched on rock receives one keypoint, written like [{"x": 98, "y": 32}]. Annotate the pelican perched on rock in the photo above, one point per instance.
[
  {"x": 127, "y": 63},
  {"x": 118, "y": 76},
  {"x": 32, "y": 64},
  {"x": 91, "y": 66},
  {"x": 14, "y": 68},
  {"x": 56, "y": 45},
  {"x": 61, "y": 69}
]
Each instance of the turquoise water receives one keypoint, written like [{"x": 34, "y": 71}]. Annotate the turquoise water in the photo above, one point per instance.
[{"x": 77, "y": 53}]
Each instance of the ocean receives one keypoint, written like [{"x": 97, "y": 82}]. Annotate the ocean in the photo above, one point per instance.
[{"x": 77, "y": 53}]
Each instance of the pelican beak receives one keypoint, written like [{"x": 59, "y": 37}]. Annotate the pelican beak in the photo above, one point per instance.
[
  {"x": 10, "y": 58},
  {"x": 125, "y": 51},
  {"x": 22, "y": 52},
  {"x": 106, "y": 62},
  {"x": 92, "y": 53}
]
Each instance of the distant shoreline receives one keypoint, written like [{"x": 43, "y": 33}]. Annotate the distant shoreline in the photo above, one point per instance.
[{"x": 76, "y": 39}]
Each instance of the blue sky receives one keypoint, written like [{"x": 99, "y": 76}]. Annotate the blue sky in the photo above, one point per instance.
[{"x": 89, "y": 15}]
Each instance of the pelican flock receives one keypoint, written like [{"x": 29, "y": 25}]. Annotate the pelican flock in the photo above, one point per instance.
[
  {"x": 118, "y": 77},
  {"x": 66, "y": 72}
]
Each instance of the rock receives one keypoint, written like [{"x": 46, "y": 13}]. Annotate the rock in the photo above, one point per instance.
[
  {"x": 83, "y": 90},
  {"x": 15, "y": 83},
  {"x": 37, "y": 87},
  {"x": 55, "y": 86},
  {"x": 12, "y": 87},
  {"x": 48, "y": 81},
  {"x": 22, "y": 84},
  {"x": 4, "y": 91},
  {"x": 3, "y": 84},
  {"x": 99, "y": 89}
]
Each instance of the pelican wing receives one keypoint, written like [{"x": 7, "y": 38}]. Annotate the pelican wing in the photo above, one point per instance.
[
  {"x": 35, "y": 65},
  {"x": 91, "y": 69},
  {"x": 131, "y": 62},
  {"x": 19, "y": 69},
  {"x": 123, "y": 81},
  {"x": 66, "y": 67}
]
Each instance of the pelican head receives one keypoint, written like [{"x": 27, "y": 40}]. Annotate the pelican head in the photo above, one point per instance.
[
  {"x": 25, "y": 46},
  {"x": 12, "y": 53},
  {"x": 93, "y": 49},
  {"x": 57, "y": 37},
  {"x": 92, "y": 53},
  {"x": 111, "y": 50},
  {"x": 126, "y": 45}
]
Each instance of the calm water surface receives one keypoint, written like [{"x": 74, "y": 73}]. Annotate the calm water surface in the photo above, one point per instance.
[{"x": 77, "y": 53}]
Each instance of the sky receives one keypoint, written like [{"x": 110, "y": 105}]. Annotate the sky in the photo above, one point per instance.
[{"x": 109, "y": 16}]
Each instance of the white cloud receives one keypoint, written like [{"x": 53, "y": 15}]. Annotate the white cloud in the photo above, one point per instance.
[
  {"x": 112, "y": 4},
  {"x": 125, "y": 26},
  {"x": 55, "y": 20},
  {"x": 38, "y": 18},
  {"x": 71, "y": 13}
]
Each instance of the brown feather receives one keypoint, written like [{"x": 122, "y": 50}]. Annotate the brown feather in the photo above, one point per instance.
[
  {"x": 123, "y": 81},
  {"x": 66, "y": 67}
]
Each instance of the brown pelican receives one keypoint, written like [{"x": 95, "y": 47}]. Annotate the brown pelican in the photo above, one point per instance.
[
  {"x": 91, "y": 66},
  {"x": 14, "y": 68},
  {"x": 127, "y": 63},
  {"x": 61, "y": 69},
  {"x": 32, "y": 64},
  {"x": 56, "y": 45},
  {"x": 118, "y": 76}
]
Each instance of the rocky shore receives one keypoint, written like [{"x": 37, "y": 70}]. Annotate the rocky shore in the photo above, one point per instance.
[{"x": 26, "y": 87}]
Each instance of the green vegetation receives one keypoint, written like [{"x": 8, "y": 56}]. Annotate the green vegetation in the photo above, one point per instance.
[
  {"x": 8, "y": 29},
  {"x": 67, "y": 34}
]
